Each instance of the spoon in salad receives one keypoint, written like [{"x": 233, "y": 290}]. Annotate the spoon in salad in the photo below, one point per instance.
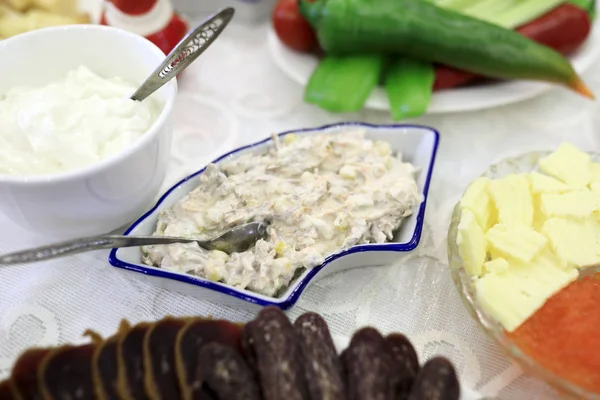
[
  {"x": 238, "y": 239},
  {"x": 188, "y": 49}
]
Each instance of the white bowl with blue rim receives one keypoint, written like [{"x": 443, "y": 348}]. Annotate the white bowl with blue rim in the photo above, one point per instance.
[{"x": 417, "y": 144}]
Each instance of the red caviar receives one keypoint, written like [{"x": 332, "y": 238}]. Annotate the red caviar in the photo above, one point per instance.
[{"x": 564, "y": 335}]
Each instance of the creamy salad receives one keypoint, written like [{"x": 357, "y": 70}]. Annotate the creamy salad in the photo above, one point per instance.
[{"x": 321, "y": 193}]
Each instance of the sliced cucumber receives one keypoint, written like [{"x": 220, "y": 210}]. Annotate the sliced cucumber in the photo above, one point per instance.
[
  {"x": 487, "y": 9},
  {"x": 523, "y": 12},
  {"x": 509, "y": 14}
]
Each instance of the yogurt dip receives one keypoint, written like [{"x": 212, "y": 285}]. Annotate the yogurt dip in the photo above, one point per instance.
[
  {"x": 69, "y": 124},
  {"x": 322, "y": 193}
]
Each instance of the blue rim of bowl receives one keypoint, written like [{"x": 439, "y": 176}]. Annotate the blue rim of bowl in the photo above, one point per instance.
[{"x": 302, "y": 281}]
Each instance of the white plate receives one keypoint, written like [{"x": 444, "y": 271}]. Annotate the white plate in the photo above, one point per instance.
[{"x": 299, "y": 67}]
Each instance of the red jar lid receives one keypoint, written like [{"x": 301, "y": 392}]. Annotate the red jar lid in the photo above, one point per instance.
[{"x": 156, "y": 20}]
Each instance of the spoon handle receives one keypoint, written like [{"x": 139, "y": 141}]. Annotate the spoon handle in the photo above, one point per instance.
[
  {"x": 84, "y": 245},
  {"x": 185, "y": 52}
]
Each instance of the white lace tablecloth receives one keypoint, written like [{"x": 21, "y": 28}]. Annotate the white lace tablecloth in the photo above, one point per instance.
[{"x": 234, "y": 95}]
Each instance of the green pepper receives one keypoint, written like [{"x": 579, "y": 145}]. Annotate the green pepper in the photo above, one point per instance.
[
  {"x": 425, "y": 31},
  {"x": 409, "y": 86},
  {"x": 343, "y": 84}
]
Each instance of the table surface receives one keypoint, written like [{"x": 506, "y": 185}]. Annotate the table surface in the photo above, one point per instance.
[{"x": 234, "y": 95}]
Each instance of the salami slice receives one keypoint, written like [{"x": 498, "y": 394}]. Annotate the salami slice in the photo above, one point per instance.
[
  {"x": 6, "y": 392},
  {"x": 25, "y": 373},
  {"x": 227, "y": 374},
  {"x": 195, "y": 334},
  {"x": 159, "y": 359},
  {"x": 130, "y": 354},
  {"x": 66, "y": 373},
  {"x": 105, "y": 365}
]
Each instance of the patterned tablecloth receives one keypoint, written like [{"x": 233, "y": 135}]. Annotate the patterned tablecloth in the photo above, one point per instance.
[{"x": 235, "y": 95}]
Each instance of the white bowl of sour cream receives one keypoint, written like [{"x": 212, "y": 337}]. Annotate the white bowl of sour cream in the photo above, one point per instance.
[{"x": 77, "y": 157}]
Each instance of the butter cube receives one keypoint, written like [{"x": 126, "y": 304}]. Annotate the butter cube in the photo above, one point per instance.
[
  {"x": 496, "y": 266},
  {"x": 568, "y": 164},
  {"x": 595, "y": 169},
  {"x": 575, "y": 241},
  {"x": 515, "y": 295},
  {"x": 547, "y": 257},
  {"x": 577, "y": 204},
  {"x": 518, "y": 242},
  {"x": 513, "y": 200},
  {"x": 471, "y": 243},
  {"x": 477, "y": 200},
  {"x": 538, "y": 216},
  {"x": 595, "y": 189},
  {"x": 541, "y": 183}
]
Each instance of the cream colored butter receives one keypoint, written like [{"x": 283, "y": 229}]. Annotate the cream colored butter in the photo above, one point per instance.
[
  {"x": 477, "y": 200},
  {"x": 577, "y": 204},
  {"x": 595, "y": 172},
  {"x": 568, "y": 164},
  {"x": 545, "y": 184},
  {"x": 575, "y": 241},
  {"x": 517, "y": 242},
  {"x": 548, "y": 226},
  {"x": 471, "y": 243},
  {"x": 496, "y": 266},
  {"x": 511, "y": 297},
  {"x": 513, "y": 200}
]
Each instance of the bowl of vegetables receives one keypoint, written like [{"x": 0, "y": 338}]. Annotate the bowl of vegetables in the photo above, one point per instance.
[{"x": 454, "y": 56}]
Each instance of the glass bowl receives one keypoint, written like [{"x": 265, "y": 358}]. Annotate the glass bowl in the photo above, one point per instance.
[{"x": 464, "y": 284}]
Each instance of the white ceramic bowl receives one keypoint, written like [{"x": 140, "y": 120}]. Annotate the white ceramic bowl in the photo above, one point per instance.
[
  {"x": 418, "y": 145},
  {"x": 111, "y": 193}
]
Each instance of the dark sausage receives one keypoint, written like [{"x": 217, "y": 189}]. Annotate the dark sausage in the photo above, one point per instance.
[
  {"x": 436, "y": 381},
  {"x": 322, "y": 367},
  {"x": 369, "y": 367},
  {"x": 272, "y": 341},
  {"x": 406, "y": 364}
]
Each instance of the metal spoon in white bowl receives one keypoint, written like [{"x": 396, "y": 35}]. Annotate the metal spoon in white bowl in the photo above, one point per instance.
[
  {"x": 238, "y": 239},
  {"x": 188, "y": 49}
]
